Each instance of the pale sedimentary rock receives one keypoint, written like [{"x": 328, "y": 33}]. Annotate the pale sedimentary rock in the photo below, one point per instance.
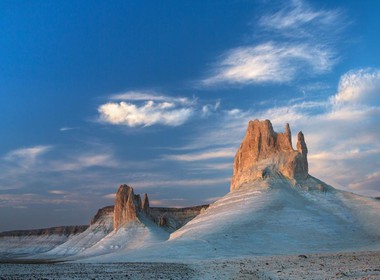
[{"x": 264, "y": 151}]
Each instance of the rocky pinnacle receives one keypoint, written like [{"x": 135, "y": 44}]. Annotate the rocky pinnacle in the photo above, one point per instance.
[
  {"x": 128, "y": 206},
  {"x": 264, "y": 151}
]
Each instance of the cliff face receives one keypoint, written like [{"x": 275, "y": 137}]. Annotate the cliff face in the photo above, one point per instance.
[
  {"x": 126, "y": 206},
  {"x": 63, "y": 230},
  {"x": 264, "y": 151}
]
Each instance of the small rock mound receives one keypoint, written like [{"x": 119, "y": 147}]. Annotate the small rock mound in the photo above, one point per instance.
[{"x": 264, "y": 151}]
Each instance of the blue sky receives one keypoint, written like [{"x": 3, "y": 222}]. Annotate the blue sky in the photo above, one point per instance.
[{"x": 157, "y": 94}]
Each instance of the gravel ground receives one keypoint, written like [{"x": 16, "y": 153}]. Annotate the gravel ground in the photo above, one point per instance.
[{"x": 356, "y": 265}]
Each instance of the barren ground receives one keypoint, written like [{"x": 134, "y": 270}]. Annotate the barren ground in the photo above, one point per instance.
[{"x": 355, "y": 265}]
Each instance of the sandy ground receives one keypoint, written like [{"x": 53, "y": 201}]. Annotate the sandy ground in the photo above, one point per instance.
[{"x": 358, "y": 265}]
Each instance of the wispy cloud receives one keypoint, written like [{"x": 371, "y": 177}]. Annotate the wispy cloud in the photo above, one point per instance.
[
  {"x": 83, "y": 161},
  {"x": 281, "y": 59},
  {"x": 270, "y": 62},
  {"x": 27, "y": 157},
  {"x": 110, "y": 195},
  {"x": 209, "y": 109},
  {"x": 58, "y": 192},
  {"x": 215, "y": 154},
  {"x": 298, "y": 14},
  {"x": 181, "y": 182},
  {"x": 63, "y": 129},
  {"x": 23, "y": 200}
]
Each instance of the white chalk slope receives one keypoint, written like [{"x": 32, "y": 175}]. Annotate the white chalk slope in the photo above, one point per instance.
[
  {"x": 270, "y": 216},
  {"x": 100, "y": 239},
  {"x": 20, "y": 246}
]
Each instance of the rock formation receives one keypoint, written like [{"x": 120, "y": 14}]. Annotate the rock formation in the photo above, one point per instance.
[
  {"x": 127, "y": 206},
  {"x": 145, "y": 203},
  {"x": 264, "y": 151},
  {"x": 175, "y": 218},
  {"x": 102, "y": 212},
  {"x": 63, "y": 230}
]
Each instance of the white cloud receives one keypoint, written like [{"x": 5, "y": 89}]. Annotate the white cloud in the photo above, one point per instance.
[
  {"x": 148, "y": 114},
  {"x": 296, "y": 14},
  {"x": 280, "y": 60},
  {"x": 359, "y": 86},
  {"x": 150, "y": 95},
  {"x": 26, "y": 157},
  {"x": 110, "y": 196},
  {"x": 208, "y": 109},
  {"x": 270, "y": 62},
  {"x": 57, "y": 192},
  {"x": 135, "y": 108},
  {"x": 63, "y": 129}
]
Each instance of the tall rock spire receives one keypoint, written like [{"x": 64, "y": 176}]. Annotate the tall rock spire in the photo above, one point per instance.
[
  {"x": 127, "y": 205},
  {"x": 263, "y": 148}
]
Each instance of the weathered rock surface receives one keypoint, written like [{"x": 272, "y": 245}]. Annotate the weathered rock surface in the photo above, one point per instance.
[
  {"x": 127, "y": 205},
  {"x": 175, "y": 218},
  {"x": 264, "y": 151},
  {"x": 145, "y": 203},
  {"x": 102, "y": 212}
]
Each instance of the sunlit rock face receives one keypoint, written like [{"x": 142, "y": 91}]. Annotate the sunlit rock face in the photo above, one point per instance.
[
  {"x": 127, "y": 206},
  {"x": 130, "y": 207},
  {"x": 264, "y": 152}
]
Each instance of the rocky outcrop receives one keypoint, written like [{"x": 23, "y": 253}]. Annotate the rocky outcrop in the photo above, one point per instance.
[
  {"x": 102, "y": 212},
  {"x": 63, "y": 230},
  {"x": 128, "y": 206},
  {"x": 125, "y": 206},
  {"x": 264, "y": 151},
  {"x": 145, "y": 203},
  {"x": 175, "y": 218}
]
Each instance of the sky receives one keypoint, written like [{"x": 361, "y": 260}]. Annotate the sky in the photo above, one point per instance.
[{"x": 158, "y": 94}]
